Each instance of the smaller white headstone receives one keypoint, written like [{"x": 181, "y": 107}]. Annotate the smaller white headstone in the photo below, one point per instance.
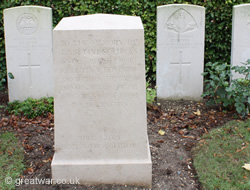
[
  {"x": 240, "y": 51},
  {"x": 28, "y": 44},
  {"x": 180, "y": 51}
]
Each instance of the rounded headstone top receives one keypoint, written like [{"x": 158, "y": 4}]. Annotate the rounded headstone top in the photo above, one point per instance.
[
  {"x": 26, "y": 8},
  {"x": 180, "y": 5},
  {"x": 100, "y": 22},
  {"x": 242, "y": 5},
  {"x": 27, "y": 20}
]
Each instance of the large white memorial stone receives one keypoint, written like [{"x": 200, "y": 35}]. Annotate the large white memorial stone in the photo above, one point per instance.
[
  {"x": 240, "y": 51},
  {"x": 180, "y": 51},
  {"x": 100, "y": 103},
  {"x": 28, "y": 44}
]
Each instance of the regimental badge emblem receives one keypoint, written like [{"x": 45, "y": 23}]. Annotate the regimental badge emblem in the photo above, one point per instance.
[
  {"x": 181, "y": 22},
  {"x": 27, "y": 23}
]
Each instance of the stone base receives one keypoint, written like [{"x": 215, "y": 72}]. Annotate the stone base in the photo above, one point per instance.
[
  {"x": 122, "y": 172},
  {"x": 188, "y": 98}
]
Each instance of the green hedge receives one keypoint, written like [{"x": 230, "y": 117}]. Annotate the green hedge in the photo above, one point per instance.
[{"x": 218, "y": 22}]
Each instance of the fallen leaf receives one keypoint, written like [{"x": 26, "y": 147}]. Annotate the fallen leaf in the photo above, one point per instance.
[
  {"x": 238, "y": 150},
  {"x": 161, "y": 132},
  {"x": 181, "y": 132},
  {"x": 10, "y": 153},
  {"x": 155, "y": 120},
  {"x": 205, "y": 130},
  {"x": 28, "y": 147},
  {"x": 28, "y": 171},
  {"x": 189, "y": 137},
  {"x": 160, "y": 141},
  {"x": 5, "y": 119},
  {"x": 165, "y": 127},
  {"x": 181, "y": 118},
  {"x": 246, "y": 166},
  {"x": 197, "y": 112},
  {"x": 193, "y": 126},
  {"x": 191, "y": 116},
  {"x": 173, "y": 121},
  {"x": 45, "y": 161},
  {"x": 189, "y": 159},
  {"x": 43, "y": 124}
]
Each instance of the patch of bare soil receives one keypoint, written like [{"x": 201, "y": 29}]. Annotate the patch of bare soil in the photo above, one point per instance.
[{"x": 183, "y": 122}]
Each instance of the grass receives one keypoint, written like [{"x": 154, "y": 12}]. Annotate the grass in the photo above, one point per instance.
[
  {"x": 220, "y": 155},
  {"x": 11, "y": 159}
]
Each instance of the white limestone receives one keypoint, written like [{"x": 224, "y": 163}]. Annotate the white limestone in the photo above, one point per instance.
[
  {"x": 180, "y": 51},
  {"x": 100, "y": 101},
  {"x": 28, "y": 43},
  {"x": 240, "y": 51}
]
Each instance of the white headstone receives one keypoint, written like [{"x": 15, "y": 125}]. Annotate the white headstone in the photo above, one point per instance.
[
  {"x": 100, "y": 102},
  {"x": 28, "y": 44},
  {"x": 180, "y": 51},
  {"x": 240, "y": 51}
]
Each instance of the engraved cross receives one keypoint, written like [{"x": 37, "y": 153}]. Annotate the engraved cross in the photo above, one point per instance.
[
  {"x": 180, "y": 63},
  {"x": 29, "y": 66}
]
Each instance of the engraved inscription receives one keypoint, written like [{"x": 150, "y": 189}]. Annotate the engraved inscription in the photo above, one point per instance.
[
  {"x": 107, "y": 146},
  {"x": 29, "y": 43},
  {"x": 181, "y": 22},
  {"x": 99, "y": 42},
  {"x": 99, "y": 105},
  {"x": 88, "y": 138},
  {"x": 27, "y": 23},
  {"x": 101, "y": 73}
]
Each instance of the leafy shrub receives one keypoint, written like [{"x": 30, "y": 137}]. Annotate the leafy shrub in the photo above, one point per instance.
[
  {"x": 239, "y": 90},
  {"x": 32, "y": 108},
  {"x": 219, "y": 91},
  {"x": 151, "y": 93},
  {"x": 2, "y": 84},
  {"x": 216, "y": 81}
]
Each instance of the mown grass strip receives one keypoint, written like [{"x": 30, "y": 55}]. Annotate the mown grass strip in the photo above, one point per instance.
[
  {"x": 11, "y": 160},
  {"x": 220, "y": 155}
]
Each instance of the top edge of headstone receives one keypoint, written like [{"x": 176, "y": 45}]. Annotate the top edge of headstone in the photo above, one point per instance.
[
  {"x": 180, "y": 5},
  {"x": 26, "y": 7},
  {"x": 242, "y": 5},
  {"x": 100, "y": 22}
]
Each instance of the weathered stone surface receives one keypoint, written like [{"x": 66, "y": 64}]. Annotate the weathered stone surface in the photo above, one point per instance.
[
  {"x": 240, "y": 51},
  {"x": 28, "y": 42},
  {"x": 100, "y": 102},
  {"x": 180, "y": 51}
]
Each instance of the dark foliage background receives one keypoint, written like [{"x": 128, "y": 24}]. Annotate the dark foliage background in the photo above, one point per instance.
[{"x": 218, "y": 23}]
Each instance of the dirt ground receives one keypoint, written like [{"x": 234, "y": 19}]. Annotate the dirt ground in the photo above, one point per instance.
[{"x": 184, "y": 122}]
